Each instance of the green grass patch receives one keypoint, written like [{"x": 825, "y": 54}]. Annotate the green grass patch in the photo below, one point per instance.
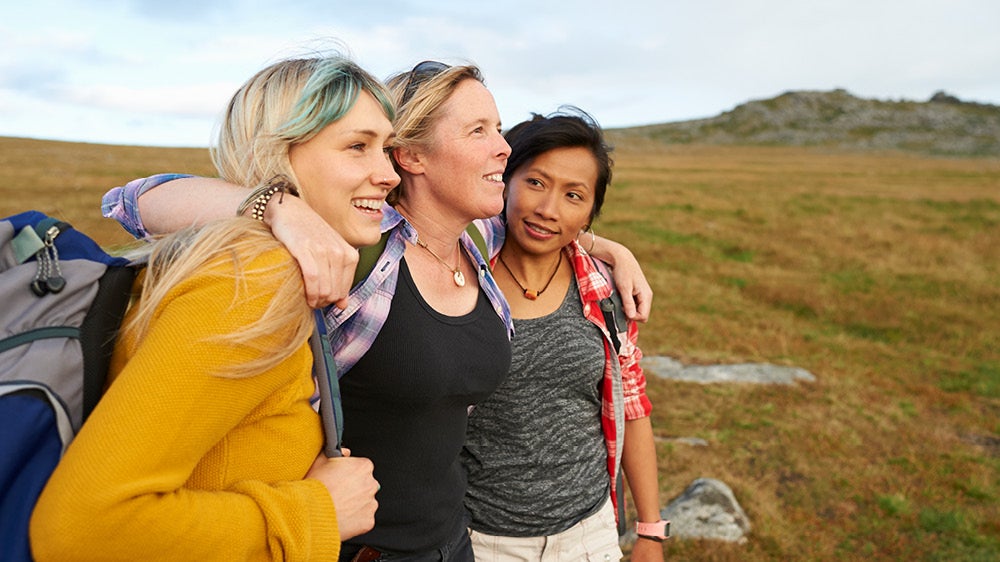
[
  {"x": 737, "y": 282},
  {"x": 894, "y": 505},
  {"x": 956, "y": 537},
  {"x": 738, "y": 254},
  {"x": 851, "y": 281},
  {"x": 982, "y": 379},
  {"x": 655, "y": 233},
  {"x": 800, "y": 310},
  {"x": 908, "y": 408},
  {"x": 870, "y": 332}
]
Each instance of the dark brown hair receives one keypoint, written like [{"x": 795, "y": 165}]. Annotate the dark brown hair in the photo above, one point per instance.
[{"x": 568, "y": 127}]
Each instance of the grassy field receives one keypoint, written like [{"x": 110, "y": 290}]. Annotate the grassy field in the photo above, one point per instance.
[{"x": 878, "y": 273}]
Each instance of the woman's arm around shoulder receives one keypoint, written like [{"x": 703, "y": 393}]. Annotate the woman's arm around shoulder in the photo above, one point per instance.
[
  {"x": 166, "y": 203},
  {"x": 637, "y": 295}
]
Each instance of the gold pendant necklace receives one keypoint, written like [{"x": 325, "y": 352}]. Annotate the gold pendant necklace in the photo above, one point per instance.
[
  {"x": 456, "y": 271},
  {"x": 528, "y": 293}
]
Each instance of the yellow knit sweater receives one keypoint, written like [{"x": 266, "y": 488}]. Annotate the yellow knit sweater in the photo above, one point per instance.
[{"x": 178, "y": 464}]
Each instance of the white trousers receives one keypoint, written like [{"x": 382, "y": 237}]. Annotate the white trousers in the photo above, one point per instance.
[{"x": 594, "y": 538}]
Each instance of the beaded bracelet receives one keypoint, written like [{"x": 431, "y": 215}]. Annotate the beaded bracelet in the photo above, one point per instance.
[{"x": 258, "y": 199}]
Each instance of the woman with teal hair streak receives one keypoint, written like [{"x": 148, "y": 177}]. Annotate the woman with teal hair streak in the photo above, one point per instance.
[{"x": 206, "y": 445}]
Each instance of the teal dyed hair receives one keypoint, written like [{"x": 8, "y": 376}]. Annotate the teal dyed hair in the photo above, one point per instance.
[{"x": 331, "y": 92}]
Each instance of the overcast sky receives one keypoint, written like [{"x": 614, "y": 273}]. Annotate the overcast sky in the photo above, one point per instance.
[{"x": 157, "y": 72}]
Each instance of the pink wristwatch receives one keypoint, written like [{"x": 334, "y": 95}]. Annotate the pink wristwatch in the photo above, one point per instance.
[{"x": 659, "y": 531}]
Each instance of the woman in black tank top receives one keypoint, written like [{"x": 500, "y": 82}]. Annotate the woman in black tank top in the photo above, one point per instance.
[
  {"x": 405, "y": 407},
  {"x": 442, "y": 347}
]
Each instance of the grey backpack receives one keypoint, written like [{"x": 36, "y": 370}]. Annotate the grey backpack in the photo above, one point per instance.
[{"x": 63, "y": 300}]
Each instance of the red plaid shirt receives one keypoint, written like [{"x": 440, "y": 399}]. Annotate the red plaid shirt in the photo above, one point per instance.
[{"x": 631, "y": 402}]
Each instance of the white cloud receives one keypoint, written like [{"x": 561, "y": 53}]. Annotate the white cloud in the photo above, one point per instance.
[{"x": 196, "y": 100}]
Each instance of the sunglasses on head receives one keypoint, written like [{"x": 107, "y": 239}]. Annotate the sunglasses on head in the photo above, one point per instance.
[{"x": 421, "y": 73}]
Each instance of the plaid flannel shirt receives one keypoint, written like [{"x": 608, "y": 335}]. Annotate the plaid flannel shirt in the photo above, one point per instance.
[
  {"x": 618, "y": 403},
  {"x": 122, "y": 203}
]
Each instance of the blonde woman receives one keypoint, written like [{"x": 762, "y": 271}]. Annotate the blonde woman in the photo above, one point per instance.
[{"x": 205, "y": 445}]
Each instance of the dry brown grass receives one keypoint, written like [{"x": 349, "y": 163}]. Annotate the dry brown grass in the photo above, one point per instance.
[
  {"x": 67, "y": 180},
  {"x": 878, "y": 273}
]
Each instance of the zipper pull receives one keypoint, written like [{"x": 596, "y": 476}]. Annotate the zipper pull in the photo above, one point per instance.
[{"x": 48, "y": 277}]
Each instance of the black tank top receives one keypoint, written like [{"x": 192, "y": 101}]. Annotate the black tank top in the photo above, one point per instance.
[{"x": 406, "y": 406}]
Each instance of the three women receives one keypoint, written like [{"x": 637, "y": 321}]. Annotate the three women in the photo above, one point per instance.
[{"x": 424, "y": 337}]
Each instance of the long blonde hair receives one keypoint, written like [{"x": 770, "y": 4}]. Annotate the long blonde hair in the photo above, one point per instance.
[{"x": 230, "y": 248}]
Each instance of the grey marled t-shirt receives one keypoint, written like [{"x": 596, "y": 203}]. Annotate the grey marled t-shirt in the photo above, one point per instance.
[{"x": 534, "y": 452}]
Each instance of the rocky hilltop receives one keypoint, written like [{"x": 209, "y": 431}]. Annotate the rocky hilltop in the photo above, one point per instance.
[{"x": 943, "y": 125}]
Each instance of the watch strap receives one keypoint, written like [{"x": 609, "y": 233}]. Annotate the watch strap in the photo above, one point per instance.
[{"x": 657, "y": 531}]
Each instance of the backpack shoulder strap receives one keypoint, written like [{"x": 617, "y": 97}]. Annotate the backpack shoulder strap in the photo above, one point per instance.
[
  {"x": 368, "y": 257},
  {"x": 100, "y": 327},
  {"x": 614, "y": 316},
  {"x": 478, "y": 240},
  {"x": 325, "y": 373},
  {"x": 611, "y": 307}
]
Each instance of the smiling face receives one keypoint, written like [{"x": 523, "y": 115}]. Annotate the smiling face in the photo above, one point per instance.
[
  {"x": 344, "y": 172},
  {"x": 467, "y": 155},
  {"x": 549, "y": 200}
]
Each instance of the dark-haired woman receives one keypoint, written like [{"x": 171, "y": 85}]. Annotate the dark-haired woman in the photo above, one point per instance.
[{"x": 543, "y": 451}]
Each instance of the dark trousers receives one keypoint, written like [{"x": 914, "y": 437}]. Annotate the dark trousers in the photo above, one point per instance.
[{"x": 458, "y": 549}]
